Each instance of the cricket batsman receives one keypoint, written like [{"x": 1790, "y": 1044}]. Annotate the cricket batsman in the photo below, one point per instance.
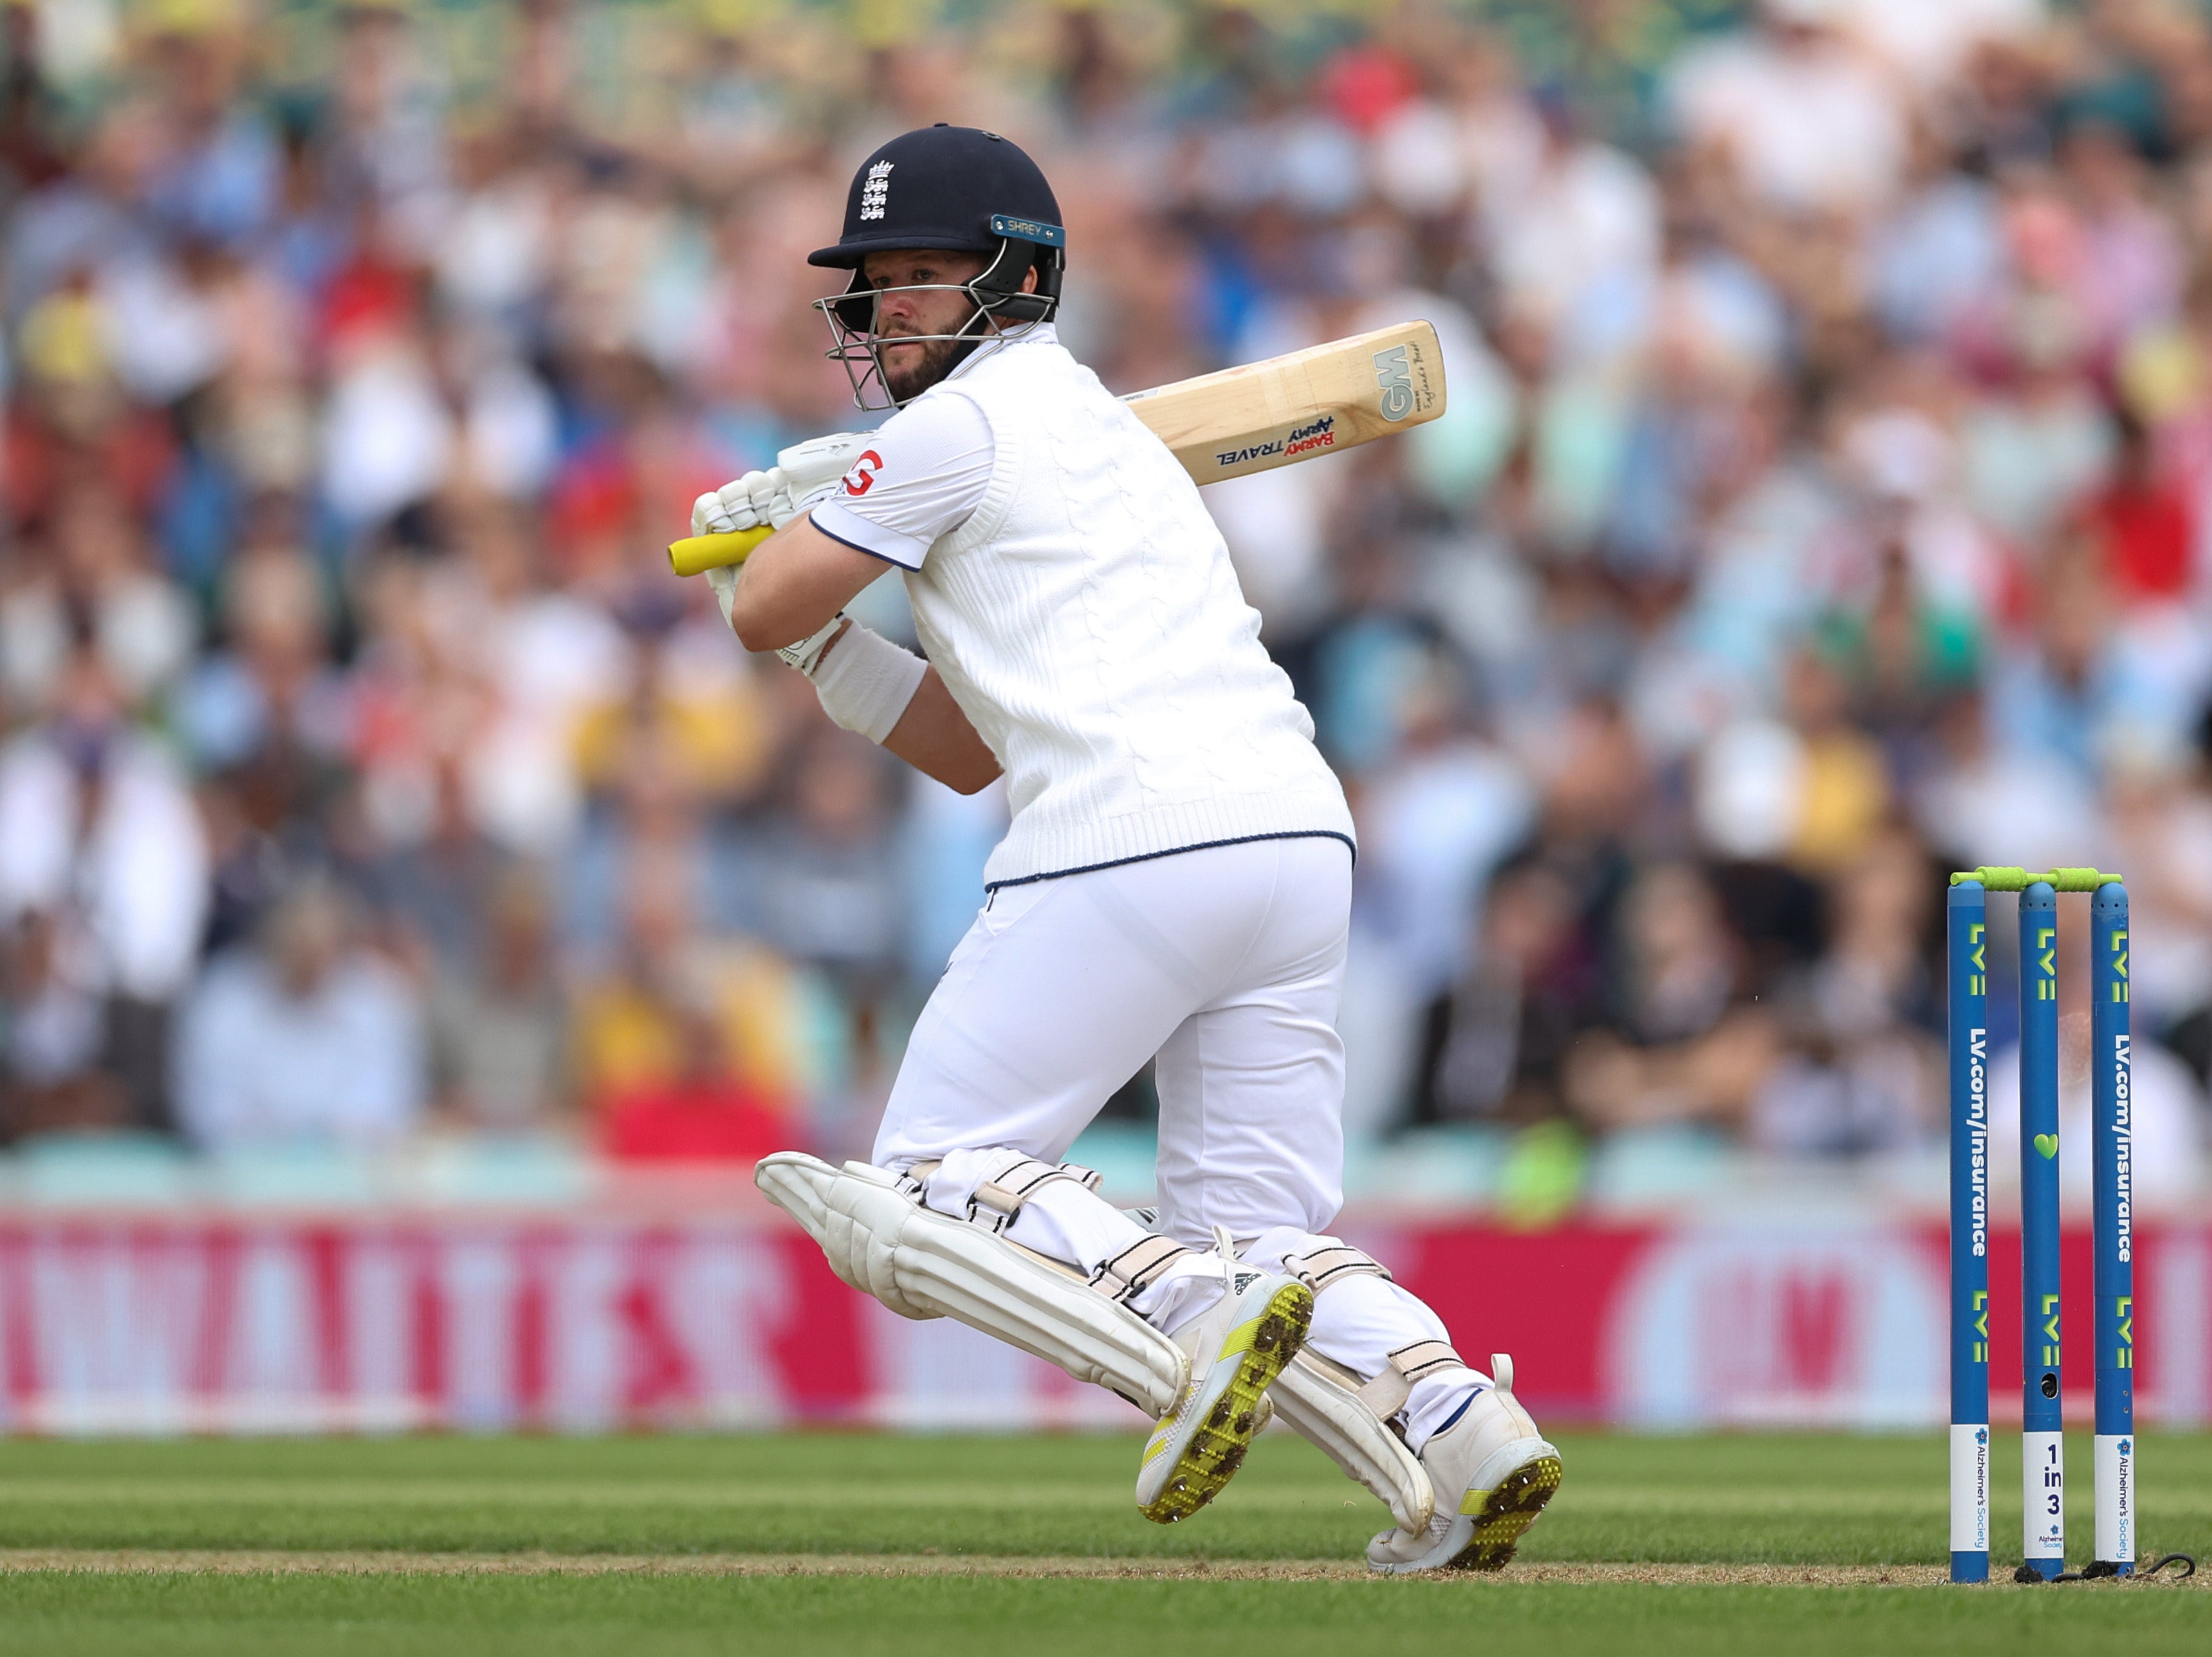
[{"x": 1176, "y": 884}]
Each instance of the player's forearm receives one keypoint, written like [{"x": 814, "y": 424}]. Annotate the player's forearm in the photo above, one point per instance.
[
  {"x": 793, "y": 583},
  {"x": 933, "y": 736},
  {"x": 889, "y": 694}
]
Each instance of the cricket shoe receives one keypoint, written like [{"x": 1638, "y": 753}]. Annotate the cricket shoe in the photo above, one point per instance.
[
  {"x": 1492, "y": 1471},
  {"x": 1237, "y": 1347}
]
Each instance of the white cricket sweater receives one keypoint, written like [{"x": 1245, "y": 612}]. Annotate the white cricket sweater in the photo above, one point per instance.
[{"x": 1088, "y": 622}]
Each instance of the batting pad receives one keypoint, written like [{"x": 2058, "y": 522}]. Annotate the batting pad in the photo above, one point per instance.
[
  {"x": 1320, "y": 1401},
  {"x": 922, "y": 1264}
]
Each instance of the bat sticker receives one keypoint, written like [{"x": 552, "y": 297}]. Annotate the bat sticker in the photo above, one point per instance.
[{"x": 1395, "y": 376}]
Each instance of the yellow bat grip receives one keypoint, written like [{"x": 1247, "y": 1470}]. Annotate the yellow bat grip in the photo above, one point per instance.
[{"x": 696, "y": 553}]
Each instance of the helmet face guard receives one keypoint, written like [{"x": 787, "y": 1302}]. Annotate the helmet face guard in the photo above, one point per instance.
[{"x": 1002, "y": 311}]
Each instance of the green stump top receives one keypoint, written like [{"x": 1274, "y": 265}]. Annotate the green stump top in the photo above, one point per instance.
[{"x": 1996, "y": 879}]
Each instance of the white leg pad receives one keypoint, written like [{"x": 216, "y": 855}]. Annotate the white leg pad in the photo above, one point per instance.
[
  {"x": 922, "y": 1264},
  {"x": 1322, "y": 1402}
]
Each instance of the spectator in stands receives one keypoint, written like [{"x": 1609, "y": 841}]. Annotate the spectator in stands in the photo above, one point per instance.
[
  {"x": 99, "y": 837},
  {"x": 1684, "y": 1043},
  {"x": 437, "y": 890},
  {"x": 1496, "y": 1048},
  {"x": 2143, "y": 524},
  {"x": 1805, "y": 123},
  {"x": 51, "y": 1040},
  {"x": 1830, "y": 441},
  {"x": 1863, "y": 1070},
  {"x": 828, "y": 878},
  {"x": 697, "y": 1112},
  {"x": 303, "y": 1038},
  {"x": 655, "y": 810},
  {"x": 93, "y": 575},
  {"x": 636, "y": 1023},
  {"x": 1434, "y": 822},
  {"x": 499, "y": 1019}
]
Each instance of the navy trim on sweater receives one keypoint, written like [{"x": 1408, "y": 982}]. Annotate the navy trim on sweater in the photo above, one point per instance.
[
  {"x": 911, "y": 569},
  {"x": 1177, "y": 851}
]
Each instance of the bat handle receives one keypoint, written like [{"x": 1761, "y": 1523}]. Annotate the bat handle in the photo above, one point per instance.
[{"x": 696, "y": 553}]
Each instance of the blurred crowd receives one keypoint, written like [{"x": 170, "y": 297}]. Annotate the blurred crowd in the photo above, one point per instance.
[{"x": 1825, "y": 502}]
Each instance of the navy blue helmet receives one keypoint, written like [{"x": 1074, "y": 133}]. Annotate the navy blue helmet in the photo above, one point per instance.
[{"x": 957, "y": 188}]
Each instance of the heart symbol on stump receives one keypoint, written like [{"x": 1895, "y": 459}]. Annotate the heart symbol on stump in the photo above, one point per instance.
[{"x": 2048, "y": 1144}]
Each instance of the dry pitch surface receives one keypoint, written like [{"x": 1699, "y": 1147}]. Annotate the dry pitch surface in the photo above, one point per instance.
[{"x": 867, "y": 1543}]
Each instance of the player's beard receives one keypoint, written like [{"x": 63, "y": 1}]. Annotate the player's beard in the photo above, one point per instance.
[{"x": 918, "y": 365}]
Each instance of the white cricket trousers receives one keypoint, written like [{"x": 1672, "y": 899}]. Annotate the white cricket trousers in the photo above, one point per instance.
[{"x": 1226, "y": 963}]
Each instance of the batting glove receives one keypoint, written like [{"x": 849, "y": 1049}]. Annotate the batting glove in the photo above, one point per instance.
[
  {"x": 744, "y": 503},
  {"x": 724, "y": 579},
  {"x": 822, "y": 459}
]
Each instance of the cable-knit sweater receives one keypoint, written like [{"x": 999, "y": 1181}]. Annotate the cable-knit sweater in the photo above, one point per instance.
[{"x": 1088, "y": 620}]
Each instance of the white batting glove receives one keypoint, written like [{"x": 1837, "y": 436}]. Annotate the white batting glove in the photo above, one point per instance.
[
  {"x": 804, "y": 475},
  {"x": 821, "y": 459},
  {"x": 710, "y": 516},
  {"x": 794, "y": 503},
  {"x": 724, "y": 579},
  {"x": 741, "y": 504}
]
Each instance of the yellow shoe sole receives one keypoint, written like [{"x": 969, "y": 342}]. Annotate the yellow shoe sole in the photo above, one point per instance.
[
  {"x": 1506, "y": 1513},
  {"x": 1217, "y": 1449}
]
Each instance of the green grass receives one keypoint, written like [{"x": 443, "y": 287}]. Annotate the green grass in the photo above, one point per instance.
[
  {"x": 1810, "y": 1500},
  {"x": 542, "y": 1617}
]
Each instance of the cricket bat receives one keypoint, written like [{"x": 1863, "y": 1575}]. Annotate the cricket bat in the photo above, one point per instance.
[{"x": 1230, "y": 424}]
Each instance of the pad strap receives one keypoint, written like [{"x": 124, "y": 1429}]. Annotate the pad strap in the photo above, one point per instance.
[
  {"x": 923, "y": 1264},
  {"x": 1324, "y": 1266},
  {"x": 1137, "y": 1267},
  {"x": 1004, "y": 1196},
  {"x": 1386, "y": 1394}
]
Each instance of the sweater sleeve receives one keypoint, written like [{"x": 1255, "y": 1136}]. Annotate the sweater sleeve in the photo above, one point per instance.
[{"x": 923, "y": 476}]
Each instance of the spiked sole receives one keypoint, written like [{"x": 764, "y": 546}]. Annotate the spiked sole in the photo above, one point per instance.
[
  {"x": 1258, "y": 1351},
  {"x": 1485, "y": 1538},
  {"x": 1506, "y": 1513}
]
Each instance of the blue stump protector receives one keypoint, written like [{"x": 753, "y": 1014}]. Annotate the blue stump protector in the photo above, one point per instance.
[
  {"x": 2042, "y": 1439},
  {"x": 1967, "y": 986},
  {"x": 2113, "y": 1326},
  {"x": 2111, "y": 1144}
]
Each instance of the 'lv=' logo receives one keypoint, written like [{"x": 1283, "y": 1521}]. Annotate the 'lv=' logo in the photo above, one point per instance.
[
  {"x": 2120, "y": 967},
  {"x": 2046, "y": 964}
]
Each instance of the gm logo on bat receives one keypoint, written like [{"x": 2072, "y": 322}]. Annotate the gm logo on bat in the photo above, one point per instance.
[{"x": 1396, "y": 377}]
